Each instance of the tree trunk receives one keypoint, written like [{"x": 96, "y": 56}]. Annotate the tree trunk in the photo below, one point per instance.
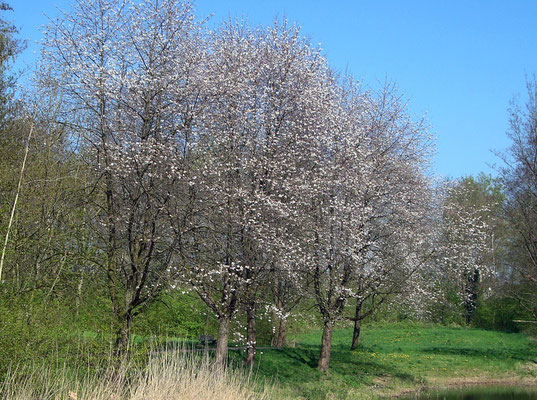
[
  {"x": 280, "y": 340},
  {"x": 470, "y": 301},
  {"x": 17, "y": 193},
  {"x": 121, "y": 345},
  {"x": 251, "y": 335},
  {"x": 357, "y": 325},
  {"x": 222, "y": 344},
  {"x": 326, "y": 343},
  {"x": 79, "y": 294},
  {"x": 356, "y": 334}
]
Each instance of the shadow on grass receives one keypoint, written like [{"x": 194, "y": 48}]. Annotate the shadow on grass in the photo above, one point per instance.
[
  {"x": 342, "y": 358},
  {"x": 491, "y": 354},
  {"x": 302, "y": 355},
  {"x": 299, "y": 365}
]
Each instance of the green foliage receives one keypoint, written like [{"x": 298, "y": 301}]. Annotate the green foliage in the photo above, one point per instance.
[
  {"x": 174, "y": 314},
  {"x": 450, "y": 310},
  {"x": 10, "y": 47},
  {"x": 41, "y": 329},
  {"x": 500, "y": 313},
  {"x": 263, "y": 330}
]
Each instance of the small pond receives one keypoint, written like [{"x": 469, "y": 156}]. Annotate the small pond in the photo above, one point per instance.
[{"x": 478, "y": 393}]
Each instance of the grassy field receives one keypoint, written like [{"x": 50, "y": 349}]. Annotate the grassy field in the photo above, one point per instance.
[
  {"x": 395, "y": 358},
  {"x": 391, "y": 359}
]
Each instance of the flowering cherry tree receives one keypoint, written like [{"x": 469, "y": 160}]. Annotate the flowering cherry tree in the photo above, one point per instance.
[
  {"x": 398, "y": 198},
  {"x": 463, "y": 244},
  {"x": 364, "y": 196},
  {"x": 261, "y": 83},
  {"x": 130, "y": 77}
]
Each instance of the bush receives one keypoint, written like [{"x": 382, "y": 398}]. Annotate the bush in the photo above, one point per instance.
[
  {"x": 499, "y": 314},
  {"x": 175, "y": 314}
]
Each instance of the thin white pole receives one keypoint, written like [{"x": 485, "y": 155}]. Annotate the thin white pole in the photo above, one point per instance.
[{"x": 16, "y": 200}]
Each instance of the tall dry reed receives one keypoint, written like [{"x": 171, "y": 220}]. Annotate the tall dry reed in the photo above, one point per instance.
[{"x": 170, "y": 375}]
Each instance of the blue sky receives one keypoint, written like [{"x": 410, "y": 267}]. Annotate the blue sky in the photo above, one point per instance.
[{"x": 460, "y": 62}]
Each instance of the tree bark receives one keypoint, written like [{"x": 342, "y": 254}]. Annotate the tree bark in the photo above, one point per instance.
[
  {"x": 251, "y": 336},
  {"x": 79, "y": 294},
  {"x": 357, "y": 325},
  {"x": 222, "y": 343},
  {"x": 280, "y": 340},
  {"x": 121, "y": 345},
  {"x": 326, "y": 343}
]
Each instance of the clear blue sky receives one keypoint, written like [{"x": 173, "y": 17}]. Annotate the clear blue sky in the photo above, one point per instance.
[{"x": 459, "y": 62}]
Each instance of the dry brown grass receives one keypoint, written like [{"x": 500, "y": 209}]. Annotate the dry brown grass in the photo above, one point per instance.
[{"x": 168, "y": 376}]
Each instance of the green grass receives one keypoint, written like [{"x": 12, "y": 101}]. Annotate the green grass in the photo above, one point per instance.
[
  {"x": 395, "y": 357},
  {"x": 391, "y": 358}
]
